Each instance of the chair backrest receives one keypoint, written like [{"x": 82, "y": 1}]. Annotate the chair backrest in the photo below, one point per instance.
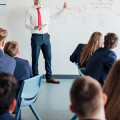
[
  {"x": 29, "y": 90},
  {"x": 80, "y": 70}
]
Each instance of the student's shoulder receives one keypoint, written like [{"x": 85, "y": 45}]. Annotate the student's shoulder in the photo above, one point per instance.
[
  {"x": 80, "y": 45},
  {"x": 6, "y": 116},
  {"x": 7, "y": 57},
  {"x": 21, "y": 60},
  {"x": 109, "y": 52},
  {"x": 112, "y": 54}
]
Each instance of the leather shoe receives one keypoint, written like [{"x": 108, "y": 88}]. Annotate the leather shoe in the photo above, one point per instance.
[{"x": 52, "y": 80}]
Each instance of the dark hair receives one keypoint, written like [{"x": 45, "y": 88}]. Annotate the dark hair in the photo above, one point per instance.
[
  {"x": 110, "y": 40},
  {"x": 11, "y": 48},
  {"x": 86, "y": 96},
  {"x": 8, "y": 86}
]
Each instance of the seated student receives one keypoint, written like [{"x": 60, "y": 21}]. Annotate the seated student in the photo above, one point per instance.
[
  {"x": 7, "y": 63},
  {"x": 87, "y": 99},
  {"x": 83, "y": 52},
  {"x": 102, "y": 60},
  {"x": 112, "y": 90},
  {"x": 22, "y": 70},
  {"x": 8, "y": 85}
]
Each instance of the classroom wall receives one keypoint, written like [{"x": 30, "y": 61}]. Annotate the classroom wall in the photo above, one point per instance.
[{"x": 74, "y": 26}]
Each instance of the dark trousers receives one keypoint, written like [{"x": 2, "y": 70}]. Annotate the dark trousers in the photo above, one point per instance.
[{"x": 41, "y": 41}]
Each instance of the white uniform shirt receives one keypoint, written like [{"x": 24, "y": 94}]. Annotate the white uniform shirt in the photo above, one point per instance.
[{"x": 32, "y": 18}]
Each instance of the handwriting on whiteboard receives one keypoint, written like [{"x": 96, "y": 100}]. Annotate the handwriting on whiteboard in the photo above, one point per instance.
[{"x": 97, "y": 12}]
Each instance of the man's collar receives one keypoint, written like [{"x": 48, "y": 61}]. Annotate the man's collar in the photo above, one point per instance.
[{"x": 37, "y": 7}]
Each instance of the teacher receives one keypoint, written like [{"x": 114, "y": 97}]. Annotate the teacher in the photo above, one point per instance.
[{"x": 37, "y": 20}]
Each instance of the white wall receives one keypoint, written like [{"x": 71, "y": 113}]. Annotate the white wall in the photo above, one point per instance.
[{"x": 75, "y": 26}]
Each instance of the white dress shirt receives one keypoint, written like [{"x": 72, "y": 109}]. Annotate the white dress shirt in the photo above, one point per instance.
[{"x": 32, "y": 18}]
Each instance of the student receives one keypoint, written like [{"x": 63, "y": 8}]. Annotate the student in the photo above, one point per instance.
[
  {"x": 102, "y": 60},
  {"x": 36, "y": 16},
  {"x": 22, "y": 70},
  {"x": 87, "y": 99},
  {"x": 8, "y": 87},
  {"x": 7, "y": 63},
  {"x": 112, "y": 90},
  {"x": 83, "y": 52}
]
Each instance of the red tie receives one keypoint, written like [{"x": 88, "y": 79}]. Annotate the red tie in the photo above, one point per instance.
[{"x": 39, "y": 18}]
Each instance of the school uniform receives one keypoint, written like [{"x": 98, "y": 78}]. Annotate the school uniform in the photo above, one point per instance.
[
  {"x": 75, "y": 57},
  {"x": 7, "y": 63},
  {"x": 22, "y": 71},
  {"x": 100, "y": 64},
  {"x": 6, "y": 116}
]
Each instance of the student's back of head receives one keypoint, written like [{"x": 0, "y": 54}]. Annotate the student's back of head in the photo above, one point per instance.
[
  {"x": 8, "y": 86},
  {"x": 95, "y": 42},
  {"x": 11, "y": 48},
  {"x": 112, "y": 90},
  {"x": 87, "y": 98},
  {"x": 110, "y": 40}
]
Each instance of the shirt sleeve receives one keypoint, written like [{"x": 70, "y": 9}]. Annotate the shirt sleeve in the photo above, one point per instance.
[
  {"x": 55, "y": 15},
  {"x": 73, "y": 57},
  {"x": 27, "y": 20}
]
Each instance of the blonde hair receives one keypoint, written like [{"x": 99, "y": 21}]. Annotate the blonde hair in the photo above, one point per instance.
[
  {"x": 93, "y": 44},
  {"x": 11, "y": 48},
  {"x": 3, "y": 34},
  {"x": 112, "y": 89}
]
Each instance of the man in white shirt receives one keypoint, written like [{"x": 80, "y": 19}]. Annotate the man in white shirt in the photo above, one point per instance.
[{"x": 37, "y": 20}]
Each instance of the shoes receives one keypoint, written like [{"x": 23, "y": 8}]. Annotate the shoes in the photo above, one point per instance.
[{"x": 52, "y": 80}]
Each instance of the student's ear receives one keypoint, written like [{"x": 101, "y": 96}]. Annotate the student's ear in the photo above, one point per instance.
[
  {"x": 3, "y": 43},
  {"x": 116, "y": 44},
  {"x": 72, "y": 109},
  {"x": 18, "y": 52},
  {"x": 104, "y": 98},
  {"x": 12, "y": 106}
]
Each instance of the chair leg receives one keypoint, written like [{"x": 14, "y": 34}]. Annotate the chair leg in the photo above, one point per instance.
[
  {"x": 34, "y": 112},
  {"x": 18, "y": 115},
  {"x": 74, "y": 117}
]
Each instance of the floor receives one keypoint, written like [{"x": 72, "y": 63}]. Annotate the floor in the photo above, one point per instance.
[{"x": 52, "y": 103}]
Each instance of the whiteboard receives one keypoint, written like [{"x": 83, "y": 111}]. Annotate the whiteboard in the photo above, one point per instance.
[{"x": 80, "y": 20}]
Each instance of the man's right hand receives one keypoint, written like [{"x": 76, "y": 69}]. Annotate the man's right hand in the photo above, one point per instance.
[{"x": 37, "y": 27}]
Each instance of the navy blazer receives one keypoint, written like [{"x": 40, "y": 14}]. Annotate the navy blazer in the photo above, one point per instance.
[
  {"x": 7, "y": 63},
  {"x": 22, "y": 70},
  {"x": 75, "y": 57},
  {"x": 6, "y": 116},
  {"x": 100, "y": 64}
]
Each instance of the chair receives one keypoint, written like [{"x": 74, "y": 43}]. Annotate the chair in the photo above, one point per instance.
[
  {"x": 28, "y": 94},
  {"x": 74, "y": 117},
  {"x": 80, "y": 70}
]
